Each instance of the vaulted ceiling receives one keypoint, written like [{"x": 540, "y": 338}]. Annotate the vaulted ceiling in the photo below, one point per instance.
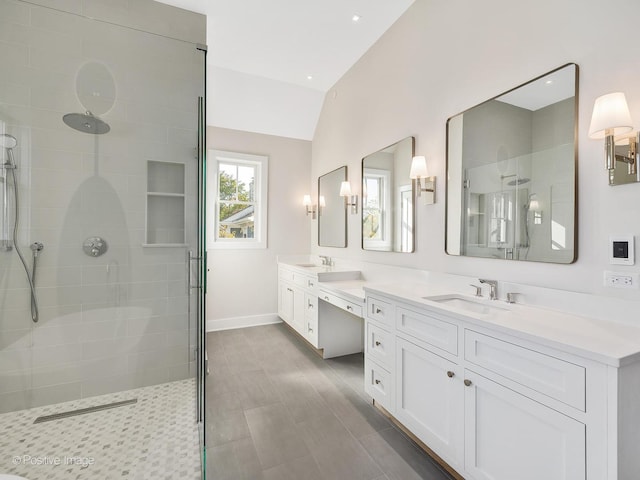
[{"x": 270, "y": 63}]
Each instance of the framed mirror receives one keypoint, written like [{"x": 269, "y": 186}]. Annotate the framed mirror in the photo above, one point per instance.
[
  {"x": 511, "y": 173},
  {"x": 332, "y": 212},
  {"x": 388, "y": 214}
]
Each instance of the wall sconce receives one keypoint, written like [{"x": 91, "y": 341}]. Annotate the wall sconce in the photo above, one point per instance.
[
  {"x": 311, "y": 208},
  {"x": 611, "y": 117},
  {"x": 350, "y": 200},
  {"x": 419, "y": 171}
]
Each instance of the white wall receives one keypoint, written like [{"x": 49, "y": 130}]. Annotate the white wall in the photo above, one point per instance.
[
  {"x": 242, "y": 284},
  {"x": 441, "y": 58},
  {"x": 241, "y": 101}
]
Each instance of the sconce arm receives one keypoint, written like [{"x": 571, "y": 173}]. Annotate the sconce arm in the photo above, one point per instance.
[
  {"x": 611, "y": 157},
  {"x": 624, "y": 159}
]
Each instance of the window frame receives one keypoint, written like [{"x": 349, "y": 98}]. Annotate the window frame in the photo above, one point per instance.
[{"x": 261, "y": 165}]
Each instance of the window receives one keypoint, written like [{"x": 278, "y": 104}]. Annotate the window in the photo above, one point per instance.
[{"x": 237, "y": 200}]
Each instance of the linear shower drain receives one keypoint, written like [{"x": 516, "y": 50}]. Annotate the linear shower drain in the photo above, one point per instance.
[{"x": 82, "y": 411}]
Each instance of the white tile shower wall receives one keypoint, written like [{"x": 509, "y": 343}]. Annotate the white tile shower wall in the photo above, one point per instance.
[{"x": 118, "y": 321}]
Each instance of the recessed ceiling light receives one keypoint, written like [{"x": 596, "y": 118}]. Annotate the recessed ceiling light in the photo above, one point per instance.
[
  {"x": 549, "y": 82},
  {"x": 356, "y": 18},
  {"x": 309, "y": 77}
]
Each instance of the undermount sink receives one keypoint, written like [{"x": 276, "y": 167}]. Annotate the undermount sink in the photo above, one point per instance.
[{"x": 464, "y": 303}]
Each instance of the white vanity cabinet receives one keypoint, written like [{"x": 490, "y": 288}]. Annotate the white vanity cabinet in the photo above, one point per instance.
[
  {"x": 379, "y": 352},
  {"x": 509, "y": 435},
  {"x": 497, "y": 406},
  {"x": 430, "y": 399},
  {"x": 329, "y": 320},
  {"x": 298, "y": 302}
]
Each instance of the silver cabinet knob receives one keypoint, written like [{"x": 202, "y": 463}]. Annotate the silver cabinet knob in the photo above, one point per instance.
[
  {"x": 326, "y": 298},
  {"x": 377, "y": 382},
  {"x": 378, "y": 310},
  {"x": 378, "y": 343},
  {"x": 450, "y": 374},
  {"x": 349, "y": 307},
  {"x": 467, "y": 382}
]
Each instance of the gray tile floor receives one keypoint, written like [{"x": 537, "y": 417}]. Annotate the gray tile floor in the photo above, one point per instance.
[{"x": 277, "y": 411}]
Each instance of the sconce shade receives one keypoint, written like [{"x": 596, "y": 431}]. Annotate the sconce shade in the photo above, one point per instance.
[
  {"x": 610, "y": 116},
  {"x": 306, "y": 200},
  {"x": 534, "y": 205},
  {"x": 418, "y": 168},
  {"x": 345, "y": 189}
]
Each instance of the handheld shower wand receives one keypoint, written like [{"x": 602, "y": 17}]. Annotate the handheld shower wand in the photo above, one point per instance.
[{"x": 9, "y": 142}]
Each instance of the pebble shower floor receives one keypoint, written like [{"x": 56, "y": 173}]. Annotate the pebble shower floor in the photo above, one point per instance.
[{"x": 155, "y": 438}]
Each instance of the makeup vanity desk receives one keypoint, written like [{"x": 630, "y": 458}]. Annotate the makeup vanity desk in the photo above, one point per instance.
[{"x": 324, "y": 305}]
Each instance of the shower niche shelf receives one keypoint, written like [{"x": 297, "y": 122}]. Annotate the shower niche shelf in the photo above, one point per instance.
[{"x": 165, "y": 222}]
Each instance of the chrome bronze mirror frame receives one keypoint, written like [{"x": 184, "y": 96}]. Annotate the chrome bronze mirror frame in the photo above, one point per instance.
[
  {"x": 332, "y": 212},
  {"x": 388, "y": 199},
  {"x": 512, "y": 173}
]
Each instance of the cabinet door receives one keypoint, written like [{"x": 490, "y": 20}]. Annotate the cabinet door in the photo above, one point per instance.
[
  {"x": 429, "y": 399},
  {"x": 285, "y": 304},
  {"x": 299, "y": 311},
  {"x": 510, "y": 436}
]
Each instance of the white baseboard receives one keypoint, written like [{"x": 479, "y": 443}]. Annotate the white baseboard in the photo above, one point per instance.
[{"x": 242, "y": 322}]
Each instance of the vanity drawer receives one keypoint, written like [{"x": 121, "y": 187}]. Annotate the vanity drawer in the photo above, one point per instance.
[
  {"x": 310, "y": 305},
  {"x": 431, "y": 330},
  {"x": 342, "y": 303},
  {"x": 304, "y": 281},
  {"x": 548, "y": 375},
  {"x": 285, "y": 274},
  {"x": 311, "y": 329},
  {"x": 378, "y": 384},
  {"x": 380, "y": 345},
  {"x": 380, "y": 311}
]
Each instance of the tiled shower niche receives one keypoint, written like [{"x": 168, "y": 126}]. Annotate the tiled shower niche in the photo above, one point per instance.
[{"x": 165, "y": 203}]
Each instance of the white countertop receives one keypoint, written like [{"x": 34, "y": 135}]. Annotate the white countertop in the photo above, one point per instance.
[
  {"x": 607, "y": 342},
  {"x": 352, "y": 290}
]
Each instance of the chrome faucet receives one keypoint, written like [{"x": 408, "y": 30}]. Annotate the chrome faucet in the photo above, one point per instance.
[
  {"x": 493, "y": 294},
  {"x": 326, "y": 260}
]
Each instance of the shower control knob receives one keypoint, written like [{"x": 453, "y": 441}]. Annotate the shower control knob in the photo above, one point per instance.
[{"x": 94, "y": 246}]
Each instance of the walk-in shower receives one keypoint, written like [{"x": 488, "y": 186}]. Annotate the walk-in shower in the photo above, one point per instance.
[
  {"x": 98, "y": 210},
  {"x": 9, "y": 142}
]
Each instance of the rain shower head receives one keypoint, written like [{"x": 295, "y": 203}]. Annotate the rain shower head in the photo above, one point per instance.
[
  {"x": 7, "y": 141},
  {"x": 518, "y": 181},
  {"x": 86, "y": 122}
]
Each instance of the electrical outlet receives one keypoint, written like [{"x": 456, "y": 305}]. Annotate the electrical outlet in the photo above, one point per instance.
[{"x": 621, "y": 280}]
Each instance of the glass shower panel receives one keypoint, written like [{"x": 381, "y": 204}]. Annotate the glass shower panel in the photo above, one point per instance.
[{"x": 94, "y": 106}]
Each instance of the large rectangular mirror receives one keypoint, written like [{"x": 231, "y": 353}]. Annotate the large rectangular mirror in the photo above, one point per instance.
[
  {"x": 332, "y": 212},
  {"x": 511, "y": 173},
  {"x": 387, "y": 199}
]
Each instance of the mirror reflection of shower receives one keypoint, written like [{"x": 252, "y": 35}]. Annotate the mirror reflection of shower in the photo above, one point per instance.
[{"x": 9, "y": 239}]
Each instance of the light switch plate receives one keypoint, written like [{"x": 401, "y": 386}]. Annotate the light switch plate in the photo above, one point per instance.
[{"x": 621, "y": 250}]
